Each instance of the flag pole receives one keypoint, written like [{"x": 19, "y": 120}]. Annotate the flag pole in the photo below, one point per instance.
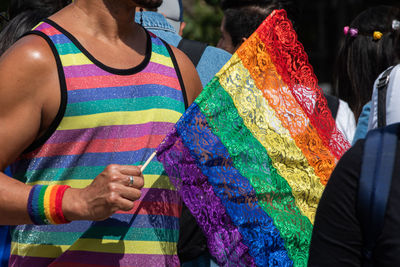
[{"x": 148, "y": 161}]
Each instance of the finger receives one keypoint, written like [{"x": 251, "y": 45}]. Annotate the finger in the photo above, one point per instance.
[
  {"x": 134, "y": 181},
  {"x": 131, "y": 194},
  {"x": 125, "y": 204},
  {"x": 130, "y": 170}
]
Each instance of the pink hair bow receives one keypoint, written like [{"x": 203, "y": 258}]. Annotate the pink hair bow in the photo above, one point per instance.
[{"x": 353, "y": 32}]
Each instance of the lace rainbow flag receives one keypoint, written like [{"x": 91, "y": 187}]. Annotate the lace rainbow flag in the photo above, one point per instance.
[{"x": 252, "y": 155}]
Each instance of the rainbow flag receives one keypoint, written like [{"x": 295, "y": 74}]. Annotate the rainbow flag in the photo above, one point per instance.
[{"x": 252, "y": 155}]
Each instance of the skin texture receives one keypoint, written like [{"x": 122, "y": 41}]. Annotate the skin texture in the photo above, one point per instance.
[{"x": 30, "y": 99}]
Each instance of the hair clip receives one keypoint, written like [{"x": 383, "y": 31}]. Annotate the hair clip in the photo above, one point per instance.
[
  {"x": 395, "y": 25},
  {"x": 353, "y": 32},
  {"x": 377, "y": 35}
]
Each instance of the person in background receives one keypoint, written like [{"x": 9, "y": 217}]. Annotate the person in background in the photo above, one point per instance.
[
  {"x": 243, "y": 17},
  {"x": 366, "y": 51},
  {"x": 392, "y": 108},
  {"x": 88, "y": 95},
  {"x": 167, "y": 23},
  {"x": 392, "y": 96},
  {"x": 340, "y": 231}
]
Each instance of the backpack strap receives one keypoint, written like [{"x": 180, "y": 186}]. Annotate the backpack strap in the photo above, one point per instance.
[
  {"x": 374, "y": 185},
  {"x": 382, "y": 86},
  {"x": 333, "y": 104},
  {"x": 193, "y": 49}
]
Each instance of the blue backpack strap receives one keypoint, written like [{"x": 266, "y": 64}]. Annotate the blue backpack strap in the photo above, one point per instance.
[
  {"x": 382, "y": 86},
  {"x": 374, "y": 185}
]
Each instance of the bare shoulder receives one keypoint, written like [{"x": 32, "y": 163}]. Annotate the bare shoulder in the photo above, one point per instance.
[
  {"x": 28, "y": 99},
  {"x": 31, "y": 56},
  {"x": 190, "y": 76},
  {"x": 25, "y": 70}
]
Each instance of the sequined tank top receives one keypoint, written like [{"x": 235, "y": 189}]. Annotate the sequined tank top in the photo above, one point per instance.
[{"x": 107, "y": 116}]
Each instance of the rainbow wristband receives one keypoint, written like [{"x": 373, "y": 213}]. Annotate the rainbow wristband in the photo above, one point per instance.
[{"x": 45, "y": 204}]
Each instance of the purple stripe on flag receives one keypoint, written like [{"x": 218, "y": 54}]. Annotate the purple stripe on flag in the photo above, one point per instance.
[
  {"x": 110, "y": 132},
  {"x": 224, "y": 239},
  {"x": 92, "y": 70}
]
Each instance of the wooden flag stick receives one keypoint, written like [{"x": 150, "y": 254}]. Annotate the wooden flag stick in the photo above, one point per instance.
[{"x": 148, "y": 161}]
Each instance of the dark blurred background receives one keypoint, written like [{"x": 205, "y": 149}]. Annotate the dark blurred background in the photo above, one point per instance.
[{"x": 320, "y": 26}]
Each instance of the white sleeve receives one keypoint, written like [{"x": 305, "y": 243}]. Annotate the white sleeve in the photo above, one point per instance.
[
  {"x": 345, "y": 121},
  {"x": 392, "y": 100}
]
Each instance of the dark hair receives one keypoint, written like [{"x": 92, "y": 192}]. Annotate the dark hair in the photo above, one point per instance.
[
  {"x": 19, "y": 25},
  {"x": 361, "y": 58},
  {"x": 242, "y": 17},
  {"x": 24, "y": 15},
  {"x": 46, "y": 6}
]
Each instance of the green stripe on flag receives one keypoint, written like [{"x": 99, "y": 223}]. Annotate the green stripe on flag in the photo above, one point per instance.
[{"x": 250, "y": 158}]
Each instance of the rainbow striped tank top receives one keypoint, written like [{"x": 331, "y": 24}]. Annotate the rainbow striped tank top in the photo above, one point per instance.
[{"x": 107, "y": 116}]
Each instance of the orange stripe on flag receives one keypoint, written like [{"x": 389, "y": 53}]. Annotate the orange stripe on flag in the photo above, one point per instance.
[{"x": 287, "y": 110}]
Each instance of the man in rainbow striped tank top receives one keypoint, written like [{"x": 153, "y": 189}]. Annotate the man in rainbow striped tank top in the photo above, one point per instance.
[{"x": 88, "y": 95}]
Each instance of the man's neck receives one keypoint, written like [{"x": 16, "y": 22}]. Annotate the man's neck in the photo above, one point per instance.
[
  {"x": 107, "y": 30},
  {"x": 113, "y": 19}
]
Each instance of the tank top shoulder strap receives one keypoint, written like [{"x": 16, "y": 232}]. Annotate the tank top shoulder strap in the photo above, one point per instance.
[
  {"x": 163, "y": 54},
  {"x": 65, "y": 45},
  {"x": 46, "y": 32}
]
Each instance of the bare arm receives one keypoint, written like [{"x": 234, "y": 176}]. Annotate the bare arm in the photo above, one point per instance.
[
  {"x": 22, "y": 72},
  {"x": 29, "y": 101}
]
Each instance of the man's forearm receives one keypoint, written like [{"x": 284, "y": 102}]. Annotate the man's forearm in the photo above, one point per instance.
[{"x": 13, "y": 201}]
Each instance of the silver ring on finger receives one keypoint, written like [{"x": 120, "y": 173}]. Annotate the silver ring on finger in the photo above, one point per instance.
[{"x": 131, "y": 180}]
